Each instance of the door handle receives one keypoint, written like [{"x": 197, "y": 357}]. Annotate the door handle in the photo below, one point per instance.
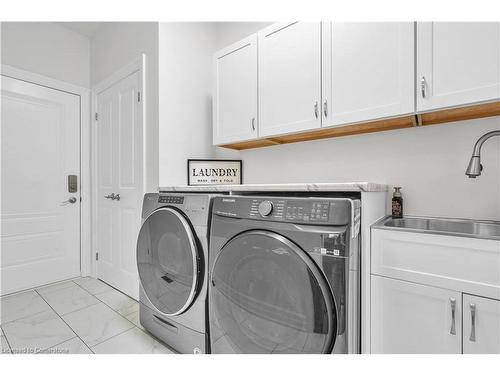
[
  {"x": 71, "y": 200},
  {"x": 453, "y": 304},
  {"x": 113, "y": 196},
  {"x": 316, "y": 112},
  {"x": 472, "y": 336},
  {"x": 325, "y": 108},
  {"x": 253, "y": 123}
]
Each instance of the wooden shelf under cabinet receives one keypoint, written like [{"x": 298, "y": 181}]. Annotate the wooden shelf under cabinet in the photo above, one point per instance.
[{"x": 409, "y": 121}]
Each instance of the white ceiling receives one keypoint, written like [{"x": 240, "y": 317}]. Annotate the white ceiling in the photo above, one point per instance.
[{"x": 88, "y": 29}]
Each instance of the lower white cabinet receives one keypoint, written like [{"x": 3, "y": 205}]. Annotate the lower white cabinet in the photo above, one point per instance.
[
  {"x": 413, "y": 318},
  {"x": 481, "y": 325}
]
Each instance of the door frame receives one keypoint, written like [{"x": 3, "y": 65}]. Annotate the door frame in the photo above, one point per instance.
[
  {"x": 136, "y": 65},
  {"x": 85, "y": 138}
]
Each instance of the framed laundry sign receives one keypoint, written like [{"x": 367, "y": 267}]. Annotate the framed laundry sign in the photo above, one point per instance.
[{"x": 214, "y": 172}]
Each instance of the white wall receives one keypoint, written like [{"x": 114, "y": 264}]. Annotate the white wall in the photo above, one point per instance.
[
  {"x": 185, "y": 75},
  {"x": 47, "y": 49},
  {"x": 230, "y": 32},
  {"x": 428, "y": 162},
  {"x": 114, "y": 46}
]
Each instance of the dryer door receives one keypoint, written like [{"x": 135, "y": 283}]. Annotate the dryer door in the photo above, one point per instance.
[
  {"x": 268, "y": 296},
  {"x": 168, "y": 261}
]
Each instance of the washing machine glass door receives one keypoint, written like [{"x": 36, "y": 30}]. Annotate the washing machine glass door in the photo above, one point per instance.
[
  {"x": 268, "y": 296},
  {"x": 168, "y": 261}
]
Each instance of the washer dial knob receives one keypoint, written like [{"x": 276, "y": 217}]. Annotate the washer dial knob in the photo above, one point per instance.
[{"x": 265, "y": 208}]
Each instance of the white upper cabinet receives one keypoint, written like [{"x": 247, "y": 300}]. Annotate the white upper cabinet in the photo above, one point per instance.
[
  {"x": 235, "y": 92},
  {"x": 481, "y": 325},
  {"x": 289, "y": 78},
  {"x": 457, "y": 63},
  {"x": 368, "y": 71},
  {"x": 409, "y": 318}
]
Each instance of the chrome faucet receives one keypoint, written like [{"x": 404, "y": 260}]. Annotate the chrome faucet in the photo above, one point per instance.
[{"x": 474, "y": 169}]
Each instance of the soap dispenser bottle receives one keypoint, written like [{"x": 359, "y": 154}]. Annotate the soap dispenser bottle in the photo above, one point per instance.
[{"x": 397, "y": 203}]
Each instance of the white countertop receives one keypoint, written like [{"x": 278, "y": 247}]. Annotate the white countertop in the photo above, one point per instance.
[{"x": 296, "y": 187}]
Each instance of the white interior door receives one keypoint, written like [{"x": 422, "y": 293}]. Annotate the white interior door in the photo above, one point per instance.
[
  {"x": 40, "y": 148},
  {"x": 120, "y": 172}
]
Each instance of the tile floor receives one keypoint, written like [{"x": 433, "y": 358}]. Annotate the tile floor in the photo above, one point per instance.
[{"x": 80, "y": 316}]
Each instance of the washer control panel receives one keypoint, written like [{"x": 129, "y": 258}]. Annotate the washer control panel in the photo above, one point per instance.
[
  {"x": 171, "y": 199},
  {"x": 291, "y": 210},
  {"x": 307, "y": 211},
  {"x": 316, "y": 211}
]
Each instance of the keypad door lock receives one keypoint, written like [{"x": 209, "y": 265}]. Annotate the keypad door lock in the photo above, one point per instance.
[{"x": 72, "y": 183}]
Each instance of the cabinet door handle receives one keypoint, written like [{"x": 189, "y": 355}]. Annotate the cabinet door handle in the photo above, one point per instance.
[
  {"x": 472, "y": 336},
  {"x": 253, "y": 123},
  {"x": 325, "y": 108},
  {"x": 453, "y": 304},
  {"x": 423, "y": 87},
  {"x": 316, "y": 111}
]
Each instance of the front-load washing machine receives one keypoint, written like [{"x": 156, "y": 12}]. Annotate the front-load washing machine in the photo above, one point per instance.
[
  {"x": 172, "y": 249},
  {"x": 284, "y": 275}
]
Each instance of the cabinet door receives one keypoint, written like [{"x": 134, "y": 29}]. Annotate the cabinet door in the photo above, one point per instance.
[
  {"x": 413, "y": 318},
  {"x": 368, "y": 71},
  {"x": 235, "y": 96},
  {"x": 481, "y": 325},
  {"x": 289, "y": 78},
  {"x": 457, "y": 63}
]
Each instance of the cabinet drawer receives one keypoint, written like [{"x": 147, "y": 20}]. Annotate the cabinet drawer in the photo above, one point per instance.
[{"x": 467, "y": 264}]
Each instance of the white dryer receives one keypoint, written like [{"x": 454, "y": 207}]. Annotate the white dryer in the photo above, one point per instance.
[{"x": 172, "y": 250}]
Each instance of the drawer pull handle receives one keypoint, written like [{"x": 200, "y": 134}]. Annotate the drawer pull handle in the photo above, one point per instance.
[
  {"x": 453, "y": 304},
  {"x": 472, "y": 336}
]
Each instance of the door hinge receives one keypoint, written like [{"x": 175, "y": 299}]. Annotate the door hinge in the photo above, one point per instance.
[
  {"x": 96, "y": 256},
  {"x": 138, "y": 96},
  {"x": 96, "y": 116}
]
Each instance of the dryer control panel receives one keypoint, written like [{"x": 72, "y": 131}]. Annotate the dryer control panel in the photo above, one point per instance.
[{"x": 171, "y": 199}]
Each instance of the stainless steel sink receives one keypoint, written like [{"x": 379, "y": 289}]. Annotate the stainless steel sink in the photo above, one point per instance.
[{"x": 457, "y": 227}]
